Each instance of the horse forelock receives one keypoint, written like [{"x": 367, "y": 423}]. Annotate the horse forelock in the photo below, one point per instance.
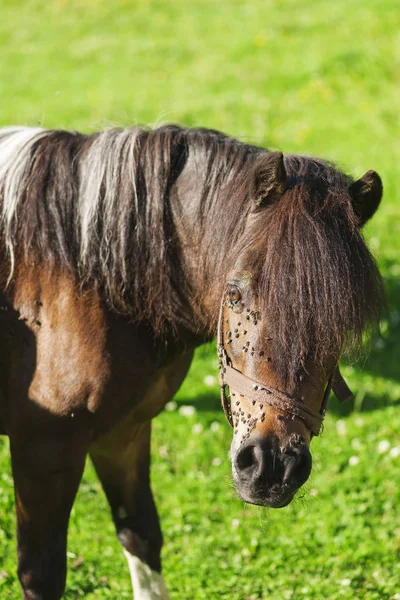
[{"x": 316, "y": 281}]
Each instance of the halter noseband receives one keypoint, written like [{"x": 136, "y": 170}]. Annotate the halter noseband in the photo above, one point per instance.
[{"x": 262, "y": 394}]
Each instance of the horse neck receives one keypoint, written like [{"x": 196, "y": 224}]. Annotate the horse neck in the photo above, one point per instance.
[{"x": 209, "y": 226}]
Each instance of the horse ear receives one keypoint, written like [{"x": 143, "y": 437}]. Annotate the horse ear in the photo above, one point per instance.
[
  {"x": 270, "y": 179},
  {"x": 366, "y": 194}
]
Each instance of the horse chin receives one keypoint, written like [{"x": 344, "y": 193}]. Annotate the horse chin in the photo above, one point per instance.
[{"x": 270, "y": 499}]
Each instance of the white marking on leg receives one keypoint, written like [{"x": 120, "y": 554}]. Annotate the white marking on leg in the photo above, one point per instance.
[{"x": 147, "y": 584}]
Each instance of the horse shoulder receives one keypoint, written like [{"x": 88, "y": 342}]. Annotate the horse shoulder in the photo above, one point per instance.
[{"x": 65, "y": 354}]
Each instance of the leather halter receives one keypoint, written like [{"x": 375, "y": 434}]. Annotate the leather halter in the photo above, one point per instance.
[{"x": 263, "y": 394}]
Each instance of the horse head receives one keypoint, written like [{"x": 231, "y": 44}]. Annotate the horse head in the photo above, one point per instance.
[{"x": 300, "y": 290}]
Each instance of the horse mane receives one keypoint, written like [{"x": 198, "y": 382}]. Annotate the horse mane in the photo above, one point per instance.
[{"x": 101, "y": 206}]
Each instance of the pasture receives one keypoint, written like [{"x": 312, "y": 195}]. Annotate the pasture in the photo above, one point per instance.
[{"x": 314, "y": 78}]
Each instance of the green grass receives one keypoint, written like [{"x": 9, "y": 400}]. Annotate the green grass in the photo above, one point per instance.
[{"x": 312, "y": 77}]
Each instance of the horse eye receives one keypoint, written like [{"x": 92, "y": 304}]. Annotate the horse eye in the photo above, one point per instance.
[{"x": 234, "y": 294}]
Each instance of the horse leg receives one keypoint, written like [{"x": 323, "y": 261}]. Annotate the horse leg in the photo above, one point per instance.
[
  {"x": 46, "y": 478},
  {"x": 122, "y": 462}
]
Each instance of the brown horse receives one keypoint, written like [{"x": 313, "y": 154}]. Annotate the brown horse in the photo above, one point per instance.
[{"x": 117, "y": 249}]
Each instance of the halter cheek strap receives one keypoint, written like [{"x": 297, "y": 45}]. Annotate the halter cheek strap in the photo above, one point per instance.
[{"x": 262, "y": 394}]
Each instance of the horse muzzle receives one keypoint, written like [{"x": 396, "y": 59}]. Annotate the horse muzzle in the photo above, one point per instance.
[{"x": 267, "y": 474}]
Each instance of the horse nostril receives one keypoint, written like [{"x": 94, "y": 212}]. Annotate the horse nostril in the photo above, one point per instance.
[
  {"x": 246, "y": 458},
  {"x": 297, "y": 465}
]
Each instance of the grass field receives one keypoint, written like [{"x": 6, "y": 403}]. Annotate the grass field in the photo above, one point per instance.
[{"x": 318, "y": 78}]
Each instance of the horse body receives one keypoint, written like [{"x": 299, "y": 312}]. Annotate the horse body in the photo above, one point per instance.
[{"x": 117, "y": 249}]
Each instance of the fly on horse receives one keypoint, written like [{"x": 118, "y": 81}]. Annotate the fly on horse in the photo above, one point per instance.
[{"x": 121, "y": 252}]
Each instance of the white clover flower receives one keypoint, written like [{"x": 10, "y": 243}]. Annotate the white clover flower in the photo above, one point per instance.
[
  {"x": 374, "y": 243},
  {"x": 394, "y": 453},
  {"x": 210, "y": 380},
  {"x": 354, "y": 460},
  {"x": 215, "y": 426},
  {"x": 216, "y": 462},
  {"x": 170, "y": 406},
  {"x": 235, "y": 523},
  {"x": 163, "y": 451},
  {"x": 197, "y": 428},
  {"x": 383, "y": 446},
  {"x": 345, "y": 582},
  {"x": 341, "y": 427},
  {"x": 187, "y": 410}
]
